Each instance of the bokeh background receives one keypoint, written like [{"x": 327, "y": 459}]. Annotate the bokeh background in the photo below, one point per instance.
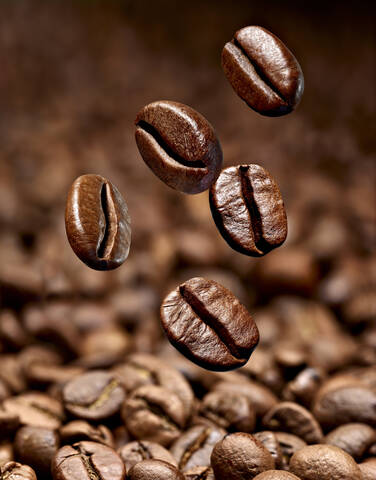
[{"x": 73, "y": 77}]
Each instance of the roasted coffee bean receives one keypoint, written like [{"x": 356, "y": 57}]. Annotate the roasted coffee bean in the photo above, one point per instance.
[
  {"x": 347, "y": 404},
  {"x": 78, "y": 430},
  {"x": 94, "y": 395},
  {"x": 6, "y": 453},
  {"x": 271, "y": 443},
  {"x": 209, "y": 325},
  {"x": 40, "y": 375},
  {"x": 87, "y": 461},
  {"x": 304, "y": 386},
  {"x": 143, "y": 369},
  {"x": 248, "y": 209},
  {"x": 11, "y": 331},
  {"x": 36, "y": 446},
  {"x": 9, "y": 422},
  {"x": 154, "y": 470},
  {"x": 194, "y": 447},
  {"x": 289, "y": 444},
  {"x": 179, "y": 145},
  {"x": 135, "y": 452},
  {"x": 353, "y": 438},
  {"x": 263, "y": 71},
  {"x": 324, "y": 462},
  {"x": 368, "y": 469},
  {"x": 231, "y": 412},
  {"x": 295, "y": 419},
  {"x": 97, "y": 222},
  {"x": 199, "y": 473},
  {"x": 240, "y": 456},
  {"x": 36, "y": 409},
  {"x": 276, "y": 475},
  {"x": 154, "y": 413},
  {"x": 16, "y": 471}
]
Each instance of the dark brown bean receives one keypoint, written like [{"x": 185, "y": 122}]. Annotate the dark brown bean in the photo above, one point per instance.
[
  {"x": 248, "y": 209},
  {"x": 87, "y": 461},
  {"x": 78, "y": 430},
  {"x": 179, "y": 145},
  {"x": 94, "y": 395},
  {"x": 135, "y": 452},
  {"x": 353, "y": 438},
  {"x": 154, "y": 470},
  {"x": 324, "y": 462},
  {"x": 97, "y": 222},
  {"x": 240, "y": 456},
  {"x": 16, "y": 471},
  {"x": 6, "y": 453},
  {"x": 289, "y": 444},
  {"x": 209, "y": 325},
  {"x": 263, "y": 71},
  {"x": 271, "y": 443}
]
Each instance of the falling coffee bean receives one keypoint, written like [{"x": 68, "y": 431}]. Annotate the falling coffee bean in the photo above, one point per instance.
[
  {"x": 179, "y": 145},
  {"x": 209, "y": 325},
  {"x": 248, "y": 209},
  {"x": 97, "y": 222},
  {"x": 263, "y": 71}
]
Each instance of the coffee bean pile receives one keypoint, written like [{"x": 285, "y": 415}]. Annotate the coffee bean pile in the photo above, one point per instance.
[{"x": 90, "y": 390}]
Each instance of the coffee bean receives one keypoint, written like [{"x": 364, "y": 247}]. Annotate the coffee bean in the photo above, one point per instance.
[
  {"x": 304, "y": 386},
  {"x": 347, "y": 404},
  {"x": 9, "y": 422},
  {"x": 324, "y": 462},
  {"x": 154, "y": 470},
  {"x": 199, "y": 473},
  {"x": 143, "y": 369},
  {"x": 276, "y": 475},
  {"x": 6, "y": 453},
  {"x": 289, "y": 444},
  {"x": 97, "y": 222},
  {"x": 231, "y": 412},
  {"x": 209, "y": 325},
  {"x": 295, "y": 419},
  {"x": 240, "y": 456},
  {"x": 271, "y": 443},
  {"x": 94, "y": 395},
  {"x": 135, "y": 452},
  {"x": 36, "y": 409},
  {"x": 155, "y": 414},
  {"x": 36, "y": 446},
  {"x": 368, "y": 469},
  {"x": 179, "y": 145},
  {"x": 17, "y": 471},
  {"x": 78, "y": 430},
  {"x": 248, "y": 209},
  {"x": 194, "y": 447},
  {"x": 87, "y": 461},
  {"x": 353, "y": 438},
  {"x": 263, "y": 71}
]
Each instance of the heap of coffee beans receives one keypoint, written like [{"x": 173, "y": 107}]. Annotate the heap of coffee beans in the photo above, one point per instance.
[{"x": 90, "y": 390}]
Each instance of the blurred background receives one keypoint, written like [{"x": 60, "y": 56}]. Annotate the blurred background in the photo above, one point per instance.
[{"x": 74, "y": 75}]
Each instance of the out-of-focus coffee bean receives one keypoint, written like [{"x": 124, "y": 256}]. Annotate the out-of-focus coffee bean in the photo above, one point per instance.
[
  {"x": 17, "y": 471},
  {"x": 97, "y": 222},
  {"x": 194, "y": 447},
  {"x": 271, "y": 443},
  {"x": 135, "y": 452},
  {"x": 11, "y": 331},
  {"x": 304, "y": 386},
  {"x": 295, "y": 419},
  {"x": 240, "y": 456},
  {"x": 289, "y": 444},
  {"x": 324, "y": 462},
  {"x": 9, "y": 422},
  {"x": 263, "y": 71},
  {"x": 276, "y": 475},
  {"x": 368, "y": 469},
  {"x": 199, "y": 473},
  {"x": 36, "y": 446},
  {"x": 155, "y": 414},
  {"x": 78, "y": 430},
  {"x": 179, "y": 145},
  {"x": 11, "y": 373},
  {"x": 6, "y": 453},
  {"x": 41, "y": 374},
  {"x": 353, "y": 438}
]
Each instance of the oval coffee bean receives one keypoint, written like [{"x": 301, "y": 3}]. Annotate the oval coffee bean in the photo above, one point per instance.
[
  {"x": 36, "y": 446},
  {"x": 248, "y": 209},
  {"x": 289, "y": 444},
  {"x": 194, "y": 447},
  {"x": 276, "y": 475},
  {"x": 136, "y": 452},
  {"x": 240, "y": 456},
  {"x": 271, "y": 443},
  {"x": 368, "y": 469},
  {"x": 263, "y": 71},
  {"x": 95, "y": 395},
  {"x": 179, "y": 145},
  {"x": 324, "y": 462},
  {"x": 154, "y": 470},
  {"x": 16, "y": 471},
  {"x": 97, "y": 222},
  {"x": 353, "y": 438},
  {"x": 295, "y": 419},
  {"x": 78, "y": 430},
  {"x": 209, "y": 325},
  {"x": 87, "y": 461}
]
